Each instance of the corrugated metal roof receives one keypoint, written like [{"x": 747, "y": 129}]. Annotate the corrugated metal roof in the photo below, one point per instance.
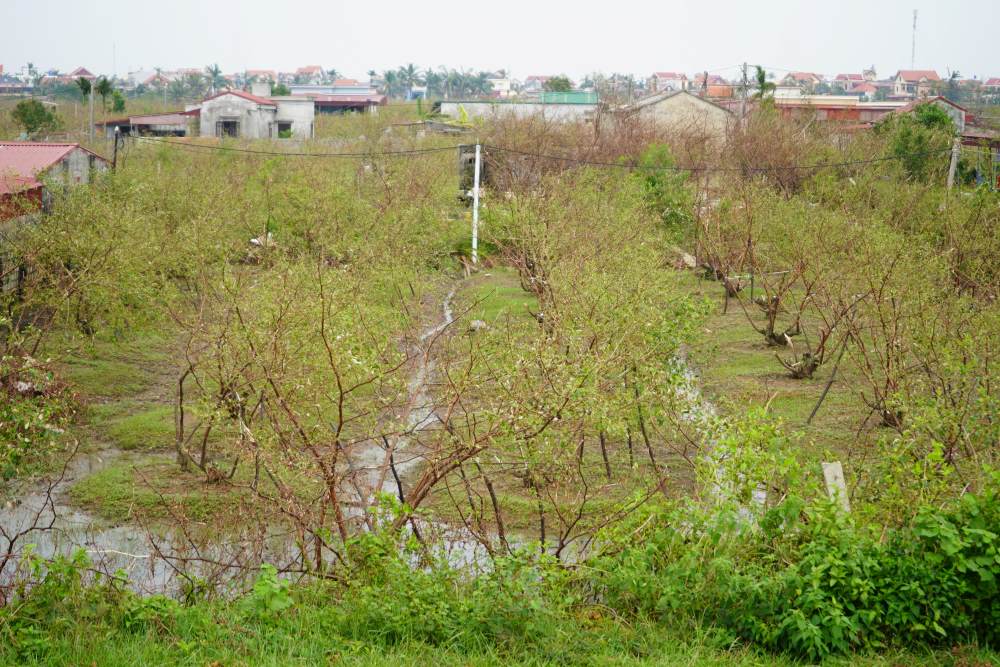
[
  {"x": 175, "y": 118},
  {"x": 9, "y": 184},
  {"x": 570, "y": 97},
  {"x": 169, "y": 118}
]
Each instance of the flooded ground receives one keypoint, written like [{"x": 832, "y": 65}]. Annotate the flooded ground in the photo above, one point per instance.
[{"x": 159, "y": 558}]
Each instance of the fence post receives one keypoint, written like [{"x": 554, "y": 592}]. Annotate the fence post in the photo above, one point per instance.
[
  {"x": 475, "y": 207},
  {"x": 114, "y": 155},
  {"x": 955, "y": 149},
  {"x": 833, "y": 475}
]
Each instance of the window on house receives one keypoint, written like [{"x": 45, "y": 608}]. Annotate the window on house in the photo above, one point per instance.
[
  {"x": 227, "y": 128},
  {"x": 284, "y": 130}
]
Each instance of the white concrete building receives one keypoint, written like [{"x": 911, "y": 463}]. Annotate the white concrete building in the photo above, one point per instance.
[
  {"x": 683, "y": 112},
  {"x": 502, "y": 87},
  {"x": 235, "y": 113},
  {"x": 295, "y": 118},
  {"x": 499, "y": 109},
  {"x": 662, "y": 82}
]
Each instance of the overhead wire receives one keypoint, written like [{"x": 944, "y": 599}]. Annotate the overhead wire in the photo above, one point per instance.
[
  {"x": 230, "y": 149},
  {"x": 625, "y": 165},
  {"x": 557, "y": 158}
]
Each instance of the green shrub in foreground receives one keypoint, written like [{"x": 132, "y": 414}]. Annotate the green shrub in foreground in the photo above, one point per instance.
[
  {"x": 811, "y": 583},
  {"x": 805, "y": 581}
]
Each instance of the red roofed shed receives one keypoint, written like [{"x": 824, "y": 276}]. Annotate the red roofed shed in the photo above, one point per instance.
[{"x": 24, "y": 165}]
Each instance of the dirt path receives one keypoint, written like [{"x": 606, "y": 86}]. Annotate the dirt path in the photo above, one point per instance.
[{"x": 368, "y": 461}]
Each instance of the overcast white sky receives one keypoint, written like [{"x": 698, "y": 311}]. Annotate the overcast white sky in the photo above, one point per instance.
[{"x": 526, "y": 37}]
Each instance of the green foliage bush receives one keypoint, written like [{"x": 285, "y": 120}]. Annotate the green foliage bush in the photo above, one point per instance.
[
  {"x": 812, "y": 583},
  {"x": 806, "y": 581},
  {"x": 35, "y": 406},
  {"x": 664, "y": 187},
  {"x": 920, "y": 140},
  {"x": 34, "y": 116}
]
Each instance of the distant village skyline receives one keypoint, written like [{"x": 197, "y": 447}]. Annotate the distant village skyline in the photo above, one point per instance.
[
  {"x": 525, "y": 38},
  {"x": 731, "y": 74}
]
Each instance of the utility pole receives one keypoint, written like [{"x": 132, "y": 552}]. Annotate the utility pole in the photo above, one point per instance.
[
  {"x": 90, "y": 132},
  {"x": 743, "y": 102},
  {"x": 475, "y": 206},
  {"x": 114, "y": 154},
  {"x": 955, "y": 151},
  {"x": 913, "y": 47}
]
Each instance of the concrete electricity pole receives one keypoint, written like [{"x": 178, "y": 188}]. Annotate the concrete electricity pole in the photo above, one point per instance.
[
  {"x": 475, "y": 207},
  {"x": 743, "y": 102},
  {"x": 90, "y": 133}
]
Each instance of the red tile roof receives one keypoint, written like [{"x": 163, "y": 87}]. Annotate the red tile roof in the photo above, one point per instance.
[
  {"x": 713, "y": 79},
  {"x": 669, "y": 75},
  {"x": 993, "y": 81},
  {"x": 309, "y": 69},
  {"x": 849, "y": 77},
  {"x": 245, "y": 95},
  {"x": 864, "y": 88},
  {"x": 926, "y": 100},
  {"x": 21, "y": 162},
  {"x": 917, "y": 74},
  {"x": 82, "y": 71}
]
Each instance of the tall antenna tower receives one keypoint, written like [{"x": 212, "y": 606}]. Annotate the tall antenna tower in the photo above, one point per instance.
[{"x": 913, "y": 48}]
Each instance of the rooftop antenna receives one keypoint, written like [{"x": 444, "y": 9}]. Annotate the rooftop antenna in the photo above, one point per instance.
[{"x": 913, "y": 48}]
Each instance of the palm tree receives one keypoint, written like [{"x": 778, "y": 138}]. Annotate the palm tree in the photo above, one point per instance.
[
  {"x": 332, "y": 74},
  {"x": 84, "y": 85},
  {"x": 195, "y": 84},
  {"x": 453, "y": 83},
  {"x": 433, "y": 81},
  {"x": 215, "y": 78},
  {"x": 480, "y": 83},
  {"x": 390, "y": 82},
  {"x": 952, "y": 90},
  {"x": 176, "y": 89},
  {"x": 34, "y": 75},
  {"x": 409, "y": 76},
  {"x": 103, "y": 88},
  {"x": 763, "y": 85}
]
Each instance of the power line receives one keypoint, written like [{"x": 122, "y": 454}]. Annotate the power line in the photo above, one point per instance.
[
  {"x": 183, "y": 144},
  {"x": 621, "y": 165},
  {"x": 556, "y": 158}
]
